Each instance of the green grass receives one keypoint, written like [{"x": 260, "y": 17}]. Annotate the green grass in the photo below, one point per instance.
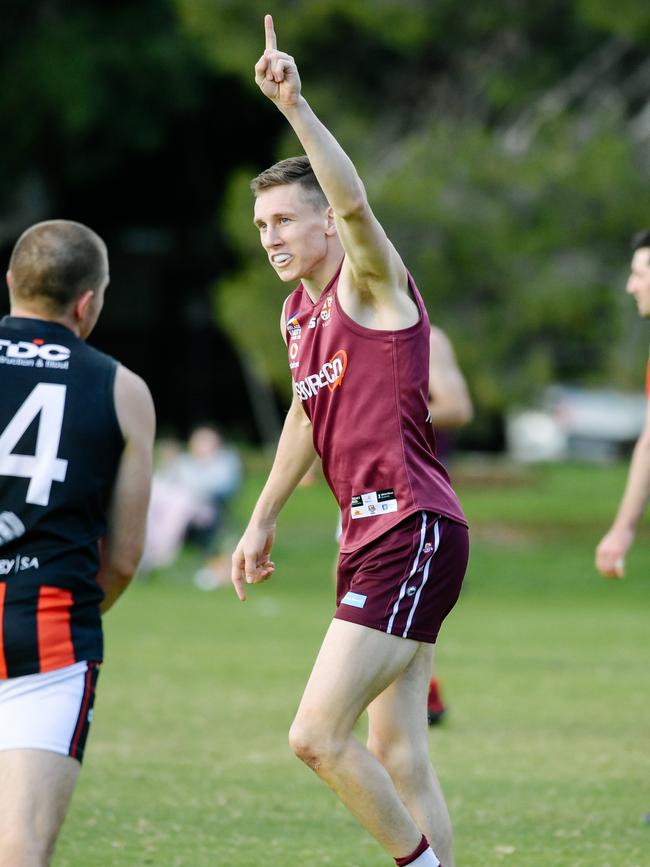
[{"x": 544, "y": 757}]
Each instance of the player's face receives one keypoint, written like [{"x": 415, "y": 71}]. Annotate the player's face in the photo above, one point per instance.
[
  {"x": 638, "y": 283},
  {"x": 293, "y": 231}
]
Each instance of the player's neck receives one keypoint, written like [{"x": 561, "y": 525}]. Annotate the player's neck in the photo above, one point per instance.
[
  {"x": 318, "y": 279},
  {"x": 24, "y": 313}
]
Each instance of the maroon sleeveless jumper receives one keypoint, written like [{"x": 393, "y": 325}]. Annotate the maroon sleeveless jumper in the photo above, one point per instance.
[{"x": 365, "y": 392}]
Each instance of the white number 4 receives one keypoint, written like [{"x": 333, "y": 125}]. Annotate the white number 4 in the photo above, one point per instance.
[{"x": 43, "y": 467}]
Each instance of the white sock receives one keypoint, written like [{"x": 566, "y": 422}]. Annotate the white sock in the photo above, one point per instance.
[{"x": 426, "y": 859}]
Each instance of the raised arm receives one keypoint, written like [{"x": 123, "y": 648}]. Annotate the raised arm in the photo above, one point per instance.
[
  {"x": 610, "y": 553},
  {"x": 375, "y": 266},
  {"x": 122, "y": 546}
]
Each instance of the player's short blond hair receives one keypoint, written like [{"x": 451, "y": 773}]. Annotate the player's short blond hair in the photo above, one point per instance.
[
  {"x": 641, "y": 240},
  {"x": 54, "y": 262},
  {"x": 295, "y": 170}
]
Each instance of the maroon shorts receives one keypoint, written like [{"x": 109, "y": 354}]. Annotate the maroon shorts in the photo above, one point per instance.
[{"x": 407, "y": 581}]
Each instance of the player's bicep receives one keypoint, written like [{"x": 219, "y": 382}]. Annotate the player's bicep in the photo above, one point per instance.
[
  {"x": 374, "y": 262},
  {"x": 130, "y": 497}
]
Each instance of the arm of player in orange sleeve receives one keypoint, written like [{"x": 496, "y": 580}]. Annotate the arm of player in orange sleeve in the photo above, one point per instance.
[{"x": 610, "y": 553}]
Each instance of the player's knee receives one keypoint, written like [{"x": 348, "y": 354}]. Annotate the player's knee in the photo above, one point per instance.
[
  {"x": 400, "y": 757},
  {"x": 313, "y": 743}
]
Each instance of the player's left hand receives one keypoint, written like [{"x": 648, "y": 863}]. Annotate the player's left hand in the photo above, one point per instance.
[
  {"x": 276, "y": 73},
  {"x": 251, "y": 563},
  {"x": 610, "y": 553}
]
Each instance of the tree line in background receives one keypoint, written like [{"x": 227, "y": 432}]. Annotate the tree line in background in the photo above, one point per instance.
[{"x": 505, "y": 146}]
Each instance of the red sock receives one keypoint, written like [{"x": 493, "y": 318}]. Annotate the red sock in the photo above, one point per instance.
[{"x": 423, "y": 845}]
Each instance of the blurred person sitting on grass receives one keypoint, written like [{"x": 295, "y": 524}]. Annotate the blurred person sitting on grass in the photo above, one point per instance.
[
  {"x": 191, "y": 493},
  {"x": 610, "y": 553}
]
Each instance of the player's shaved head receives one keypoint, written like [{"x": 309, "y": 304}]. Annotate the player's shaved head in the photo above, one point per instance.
[
  {"x": 55, "y": 262},
  {"x": 295, "y": 170}
]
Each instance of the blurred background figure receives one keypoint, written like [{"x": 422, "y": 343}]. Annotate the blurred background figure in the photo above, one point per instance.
[
  {"x": 192, "y": 490},
  {"x": 171, "y": 510},
  {"x": 451, "y": 408},
  {"x": 450, "y": 403},
  {"x": 211, "y": 472}
]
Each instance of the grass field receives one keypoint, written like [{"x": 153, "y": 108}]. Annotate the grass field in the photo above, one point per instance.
[{"x": 544, "y": 756}]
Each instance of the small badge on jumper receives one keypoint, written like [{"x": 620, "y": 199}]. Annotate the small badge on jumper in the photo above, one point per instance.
[{"x": 373, "y": 503}]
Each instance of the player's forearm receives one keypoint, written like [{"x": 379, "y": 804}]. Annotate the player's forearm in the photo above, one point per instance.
[
  {"x": 333, "y": 168},
  {"x": 113, "y": 583},
  {"x": 120, "y": 554},
  {"x": 637, "y": 489},
  {"x": 451, "y": 414},
  {"x": 294, "y": 455}
]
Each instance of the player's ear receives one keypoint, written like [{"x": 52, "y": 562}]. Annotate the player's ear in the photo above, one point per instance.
[
  {"x": 10, "y": 281},
  {"x": 83, "y": 304},
  {"x": 330, "y": 225}
]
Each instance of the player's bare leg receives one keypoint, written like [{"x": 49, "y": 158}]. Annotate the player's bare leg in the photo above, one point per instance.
[
  {"x": 398, "y": 736},
  {"x": 355, "y": 664},
  {"x": 35, "y": 791}
]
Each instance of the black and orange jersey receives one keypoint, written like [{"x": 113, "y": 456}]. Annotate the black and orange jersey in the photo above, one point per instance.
[{"x": 60, "y": 446}]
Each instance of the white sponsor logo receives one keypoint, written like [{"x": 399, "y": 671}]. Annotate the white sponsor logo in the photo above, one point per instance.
[
  {"x": 18, "y": 564},
  {"x": 293, "y": 351},
  {"x": 370, "y": 506},
  {"x": 44, "y": 351},
  {"x": 34, "y": 354},
  {"x": 330, "y": 375},
  {"x": 356, "y": 600},
  {"x": 11, "y": 527}
]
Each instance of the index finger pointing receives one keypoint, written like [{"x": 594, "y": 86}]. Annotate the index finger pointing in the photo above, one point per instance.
[{"x": 271, "y": 42}]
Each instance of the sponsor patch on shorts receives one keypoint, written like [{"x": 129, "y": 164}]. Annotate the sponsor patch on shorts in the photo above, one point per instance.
[
  {"x": 373, "y": 504},
  {"x": 356, "y": 600}
]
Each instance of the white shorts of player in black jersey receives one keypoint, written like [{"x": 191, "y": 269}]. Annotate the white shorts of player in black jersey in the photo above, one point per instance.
[
  {"x": 49, "y": 711},
  {"x": 406, "y": 581}
]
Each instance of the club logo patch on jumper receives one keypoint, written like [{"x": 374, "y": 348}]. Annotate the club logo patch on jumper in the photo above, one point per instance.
[
  {"x": 326, "y": 310},
  {"x": 293, "y": 327},
  {"x": 373, "y": 503},
  {"x": 356, "y": 600}
]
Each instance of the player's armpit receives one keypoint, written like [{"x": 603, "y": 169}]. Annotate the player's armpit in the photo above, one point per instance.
[{"x": 375, "y": 265}]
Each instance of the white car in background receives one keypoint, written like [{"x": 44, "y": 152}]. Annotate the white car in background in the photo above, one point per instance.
[{"x": 580, "y": 423}]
